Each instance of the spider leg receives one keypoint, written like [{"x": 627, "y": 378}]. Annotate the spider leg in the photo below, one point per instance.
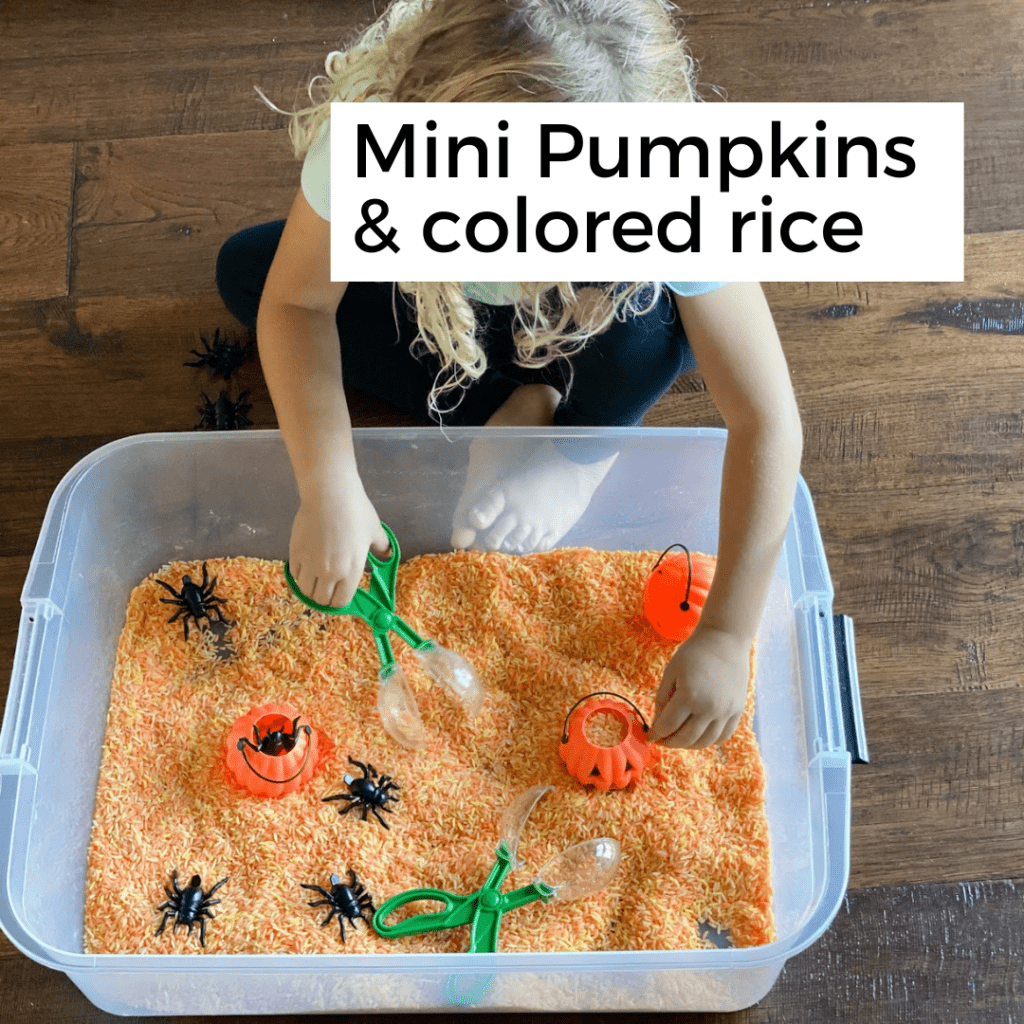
[
  {"x": 178, "y": 614},
  {"x": 244, "y": 741},
  {"x": 202, "y": 933},
  {"x": 167, "y": 586},
  {"x": 206, "y": 578},
  {"x": 317, "y": 888},
  {"x": 341, "y": 925},
  {"x": 379, "y": 818},
  {"x": 214, "y": 889},
  {"x": 318, "y": 903},
  {"x": 184, "y": 622},
  {"x": 327, "y": 920},
  {"x": 174, "y": 882},
  {"x": 163, "y": 923},
  {"x": 338, "y": 796},
  {"x": 360, "y": 765}
]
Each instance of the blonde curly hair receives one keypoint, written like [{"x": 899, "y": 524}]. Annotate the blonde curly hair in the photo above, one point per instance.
[{"x": 507, "y": 51}]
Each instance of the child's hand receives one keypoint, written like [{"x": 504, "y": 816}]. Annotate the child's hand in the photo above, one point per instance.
[
  {"x": 330, "y": 537},
  {"x": 703, "y": 691}
]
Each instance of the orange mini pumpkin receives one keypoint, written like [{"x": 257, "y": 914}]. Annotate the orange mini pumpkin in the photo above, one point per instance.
[
  {"x": 606, "y": 767},
  {"x": 675, "y": 593},
  {"x": 269, "y": 753}
]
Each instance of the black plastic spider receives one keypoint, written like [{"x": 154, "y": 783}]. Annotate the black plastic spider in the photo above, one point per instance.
[
  {"x": 224, "y": 414},
  {"x": 224, "y": 357},
  {"x": 365, "y": 793},
  {"x": 188, "y": 905},
  {"x": 276, "y": 741},
  {"x": 194, "y": 601},
  {"x": 347, "y": 901}
]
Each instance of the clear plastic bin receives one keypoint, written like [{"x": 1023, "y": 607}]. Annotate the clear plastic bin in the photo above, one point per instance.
[{"x": 135, "y": 504}]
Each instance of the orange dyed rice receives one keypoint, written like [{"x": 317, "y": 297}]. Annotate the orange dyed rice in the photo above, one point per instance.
[{"x": 542, "y": 630}]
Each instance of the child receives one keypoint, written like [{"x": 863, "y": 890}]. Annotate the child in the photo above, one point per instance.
[{"x": 529, "y": 354}]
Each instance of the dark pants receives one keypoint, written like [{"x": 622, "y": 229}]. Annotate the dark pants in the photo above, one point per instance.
[{"x": 614, "y": 381}]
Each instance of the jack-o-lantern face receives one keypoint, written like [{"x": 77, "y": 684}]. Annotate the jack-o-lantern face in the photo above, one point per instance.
[
  {"x": 674, "y": 594},
  {"x": 606, "y": 767}
]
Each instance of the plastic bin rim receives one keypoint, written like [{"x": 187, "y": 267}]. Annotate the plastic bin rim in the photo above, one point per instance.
[
  {"x": 744, "y": 958},
  {"x": 402, "y": 432},
  {"x": 62, "y": 493}
]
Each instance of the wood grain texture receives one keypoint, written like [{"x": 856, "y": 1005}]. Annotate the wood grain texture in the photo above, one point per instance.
[
  {"x": 35, "y": 200},
  {"x": 152, "y": 214},
  {"x": 114, "y": 368},
  {"x": 117, "y": 76},
  {"x": 917, "y": 51},
  {"x": 899, "y": 954},
  {"x": 943, "y": 796},
  {"x": 910, "y": 50}
]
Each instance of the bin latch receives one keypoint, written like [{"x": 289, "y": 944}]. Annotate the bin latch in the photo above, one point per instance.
[{"x": 849, "y": 689}]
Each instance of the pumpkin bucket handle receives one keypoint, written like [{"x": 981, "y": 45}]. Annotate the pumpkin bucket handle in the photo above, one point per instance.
[
  {"x": 599, "y": 693},
  {"x": 279, "y": 782},
  {"x": 685, "y": 604}
]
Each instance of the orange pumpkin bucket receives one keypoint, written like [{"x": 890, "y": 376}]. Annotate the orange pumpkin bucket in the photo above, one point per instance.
[
  {"x": 675, "y": 593},
  {"x": 269, "y": 753},
  {"x": 606, "y": 767}
]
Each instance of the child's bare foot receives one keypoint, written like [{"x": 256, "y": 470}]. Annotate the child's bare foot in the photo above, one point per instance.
[
  {"x": 523, "y": 495},
  {"x": 491, "y": 461}
]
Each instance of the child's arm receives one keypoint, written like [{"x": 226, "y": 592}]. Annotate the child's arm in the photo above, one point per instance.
[
  {"x": 301, "y": 357},
  {"x": 733, "y": 336}
]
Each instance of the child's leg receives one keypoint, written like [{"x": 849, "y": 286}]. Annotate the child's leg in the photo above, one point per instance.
[
  {"x": 625, "y": 370},
  {"x": 242, "y": 266},
  {"x": 376, "y": 328}
]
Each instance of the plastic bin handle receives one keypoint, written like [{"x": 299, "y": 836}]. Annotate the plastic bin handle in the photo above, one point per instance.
[
  {"x": 15, "y": 751},
  {"x": 849, "y": 689}
]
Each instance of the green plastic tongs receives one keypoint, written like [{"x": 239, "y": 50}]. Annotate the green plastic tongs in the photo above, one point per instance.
[
  {"x": 376, "y": 607},
  {"x": 578, "y": 871}
]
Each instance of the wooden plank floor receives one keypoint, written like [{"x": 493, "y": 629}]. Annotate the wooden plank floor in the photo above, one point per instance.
[{"x": 132, "y": 144}]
